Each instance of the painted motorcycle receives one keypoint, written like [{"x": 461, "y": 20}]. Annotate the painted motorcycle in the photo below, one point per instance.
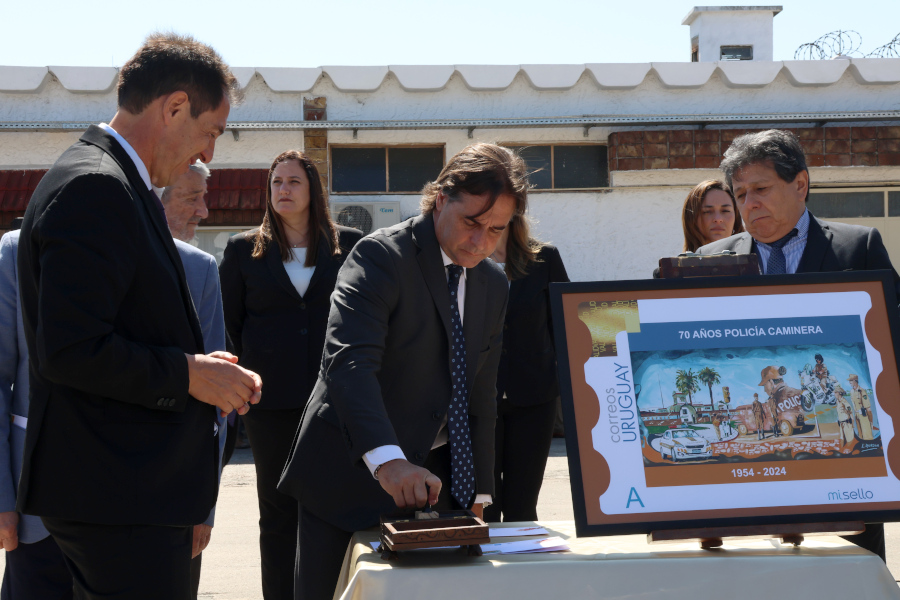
[{"x": 813, "y": 392}]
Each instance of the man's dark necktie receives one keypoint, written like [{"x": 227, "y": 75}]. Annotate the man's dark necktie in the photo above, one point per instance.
[
  {"x": 462, "y": 478},
  {"x": 777, "y": 264}
]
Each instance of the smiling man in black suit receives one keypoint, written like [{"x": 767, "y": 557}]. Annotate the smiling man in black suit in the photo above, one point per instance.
[
  {"x": 121, "y": 451},
  {"x": 404, "y": 408}
]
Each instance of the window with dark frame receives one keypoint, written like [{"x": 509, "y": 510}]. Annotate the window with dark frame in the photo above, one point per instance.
[
  {"x": 875, "y": 206},
  {"x": 735, "y": 52},
  {"x": 846, "y": 205},
  {"x": 565, "y": 166},
  {"x": 384, "y": 169},
  {"x": 894, "y": 204}
]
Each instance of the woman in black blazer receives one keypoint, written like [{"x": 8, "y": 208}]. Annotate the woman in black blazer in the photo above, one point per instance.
[
  {"x": 276, "y": 288},
  {"x": 526, "y": 381}
]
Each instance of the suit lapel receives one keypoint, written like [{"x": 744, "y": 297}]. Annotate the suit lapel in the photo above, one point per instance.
[
  {"x": 744, "y": 245},
  {"x": 158, "y": 219},
  {"x": 515, "y": 291},
  {"x": 432, "y": 267},
  {"x": 276, "y": 266},
  {"x": 473, "y": 325},
  {"x": 96, "y": 136},
  {"x": 323, "y": 257},
  {"x": 818, "y": 241}
]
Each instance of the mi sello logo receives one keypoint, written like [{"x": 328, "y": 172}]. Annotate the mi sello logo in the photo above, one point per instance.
[{"x": 858, "y": 494}]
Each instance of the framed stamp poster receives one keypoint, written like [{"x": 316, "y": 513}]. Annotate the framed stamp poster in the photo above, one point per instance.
[{"x": 730, "y": 401}]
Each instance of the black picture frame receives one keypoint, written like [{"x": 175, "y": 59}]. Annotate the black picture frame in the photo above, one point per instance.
[{"x": 559, "y": 292}]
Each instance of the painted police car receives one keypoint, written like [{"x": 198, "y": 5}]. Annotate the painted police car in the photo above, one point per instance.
[{"x": 683, "y": 444}]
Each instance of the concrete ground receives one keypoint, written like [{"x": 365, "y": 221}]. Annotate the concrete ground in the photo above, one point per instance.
[{"x": 231, "y": 569}]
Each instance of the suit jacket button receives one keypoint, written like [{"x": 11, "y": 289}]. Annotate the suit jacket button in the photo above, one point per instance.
[
  {"x": 303, "y": 331},
  {"x": 504, "y": 351},
  {"x": 303, "y": 306},
  {"x": 171, "y": 401},
  {"x": 436, "y": 416},
  {"x": 505, "y": 327},
  {"x": 420, "y": 455},
  {"x": 160, "y": 402}
]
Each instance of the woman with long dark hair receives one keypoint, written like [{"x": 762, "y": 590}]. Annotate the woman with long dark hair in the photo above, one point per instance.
[
  {"x": 526, "y": 380},
  {"x": 709, "y": 214},
  {"x": 276, "y": 287}
]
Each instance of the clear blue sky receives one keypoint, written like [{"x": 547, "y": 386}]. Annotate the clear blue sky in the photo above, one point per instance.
[{"x": 365, "y": 32}]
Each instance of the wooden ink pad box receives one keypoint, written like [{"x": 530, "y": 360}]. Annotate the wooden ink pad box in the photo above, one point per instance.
[
  {"x": 708, "y": 265},
  {"x": 451, "y": 528}
]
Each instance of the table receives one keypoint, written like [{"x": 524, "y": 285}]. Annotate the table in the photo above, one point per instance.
[{"x": 822, "y": 568}]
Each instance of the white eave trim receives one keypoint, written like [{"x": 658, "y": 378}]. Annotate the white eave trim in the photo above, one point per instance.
[
  {"x": 86, "y": 79},
  {"x": 432, "y": 78},
  {"x": 22, "y": 79}
]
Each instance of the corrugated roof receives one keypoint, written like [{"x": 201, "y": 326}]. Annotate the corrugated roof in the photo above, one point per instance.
[
  {"x": 237, "y": 189},
  {"x": 235, "y": 196},
  {"x": 430, "y": 78},
  {"x": 16, "y": 188}
]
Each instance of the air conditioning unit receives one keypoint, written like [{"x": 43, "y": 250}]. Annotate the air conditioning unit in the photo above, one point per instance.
[{"x": 366, "y": 216}]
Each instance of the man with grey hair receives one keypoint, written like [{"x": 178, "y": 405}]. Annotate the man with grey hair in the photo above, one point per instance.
[
  {"x": 768, "y": 174},
  {"x": 185, "y": 202},
  {"x": 185, "y": 206}
]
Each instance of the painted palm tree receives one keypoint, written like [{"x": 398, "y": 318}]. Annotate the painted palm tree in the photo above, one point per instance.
[
  {"x": 686, "y": 382},
  {"x": 710, "y": 377}
]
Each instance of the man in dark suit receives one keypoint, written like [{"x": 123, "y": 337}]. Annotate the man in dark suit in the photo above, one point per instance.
[
  {"x": 404, "y": 407},
  {"x": 120, "y": 457},
  {"x": 767, "y": 173}
]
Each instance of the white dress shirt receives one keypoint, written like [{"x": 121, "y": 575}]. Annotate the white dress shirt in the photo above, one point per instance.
[
  {"x": 383, "y": 454},
  {"x": 141, "y": 168},
  {"x": 300, "y": 275}
]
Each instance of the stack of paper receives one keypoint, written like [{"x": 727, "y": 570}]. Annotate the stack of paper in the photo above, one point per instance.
[
  {"x": 551, "y": 544},
  {"x": 496, "y": 532}
]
